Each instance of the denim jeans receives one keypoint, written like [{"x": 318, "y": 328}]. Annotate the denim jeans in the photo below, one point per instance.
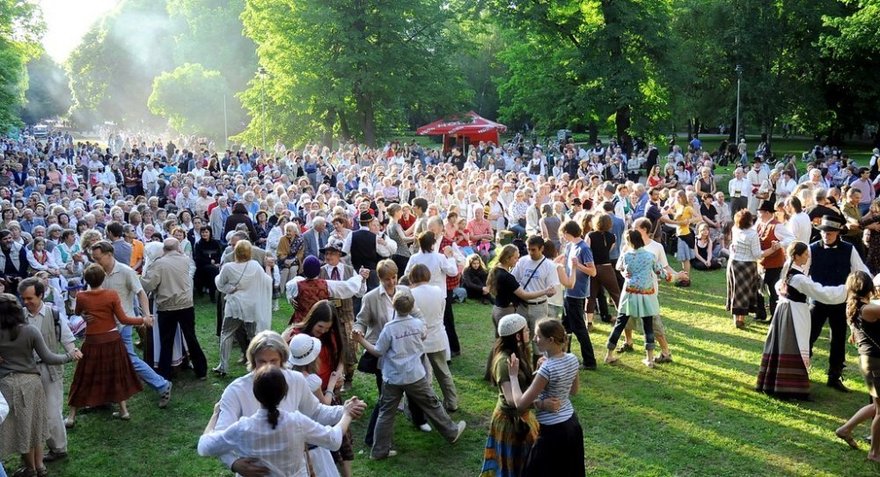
[
  {"x": 647, "y": 322},
  {"x": 574, "y": 323},
  {"x": 143, "y": 370}
]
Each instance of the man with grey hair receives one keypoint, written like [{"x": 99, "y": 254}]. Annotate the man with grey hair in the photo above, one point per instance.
[
  {"x": 316, "y": 238},
  {"x": 170, "y": 279}
]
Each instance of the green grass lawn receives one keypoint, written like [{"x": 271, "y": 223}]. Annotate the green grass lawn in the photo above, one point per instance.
[{"x": 696, "y": 416}]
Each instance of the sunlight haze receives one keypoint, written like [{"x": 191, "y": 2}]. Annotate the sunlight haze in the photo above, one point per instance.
[{"x": 67, "y": 21}]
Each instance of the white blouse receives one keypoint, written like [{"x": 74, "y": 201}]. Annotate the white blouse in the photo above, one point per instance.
[{"x": 746, "y": 247}]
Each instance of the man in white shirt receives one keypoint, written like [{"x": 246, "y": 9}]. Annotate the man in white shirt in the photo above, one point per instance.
[
  {"x": 739, "y": 190},
  {"x": 150, "y": 179},
  {"x": 55, "y": 330},
  {"x": 799, "y": 223},
  {"x": 535, "y": 272},
  {"x": 756, "y": 177}
]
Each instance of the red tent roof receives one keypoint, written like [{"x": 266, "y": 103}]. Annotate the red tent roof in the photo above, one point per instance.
[{"x": 473, "y": 124}]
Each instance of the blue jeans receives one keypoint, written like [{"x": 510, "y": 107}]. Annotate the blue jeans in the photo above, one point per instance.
[
  {"x": 518, "y": 229},
  {"x": 863, "y": 208},
  {"x": 647, "y": 322},
  {"x": 143, "y": 370}
]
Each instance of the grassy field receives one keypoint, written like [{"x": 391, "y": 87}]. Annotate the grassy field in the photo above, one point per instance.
[{"x": 696, "y": 416}]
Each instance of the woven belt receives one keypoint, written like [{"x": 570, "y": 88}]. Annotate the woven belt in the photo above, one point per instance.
[{"x": 536, "y": 303}]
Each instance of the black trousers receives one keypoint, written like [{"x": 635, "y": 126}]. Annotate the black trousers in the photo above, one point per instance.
[
  {"x": 574, "y": 323},
  {"x": 416, "y": 413},
  {"x": 771, "y": 277},
  {"x": 168, "y": 323},
  {"x": 449, "y": 323},
  {"x": 836, "y": 317},
  {"x": 602, "y": 299}
]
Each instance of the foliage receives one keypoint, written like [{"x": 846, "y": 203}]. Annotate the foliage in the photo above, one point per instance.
[
  {"x": 191, "y": 98},
  {"x": 339, "y": 73},
  {"x": 48, "y": 94},
  {"x": 21, "y": 26},
  {"x": 112, "y": 70},
  {"x": 577, "y": 62},
  {"x": 851, "y": 47}
]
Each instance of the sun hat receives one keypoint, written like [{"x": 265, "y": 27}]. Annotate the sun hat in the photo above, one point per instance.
[
  {"x": 511, "y": 324},
  {"x": 303, "y": 349}
]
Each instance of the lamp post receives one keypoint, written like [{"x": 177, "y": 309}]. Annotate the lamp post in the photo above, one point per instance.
[
  {"x": 739, "y": 74},
  {"x": 262, "y": 73}
]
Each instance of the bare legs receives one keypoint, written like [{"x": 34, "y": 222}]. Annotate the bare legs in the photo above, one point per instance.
[{"x": 865, "y": 413}]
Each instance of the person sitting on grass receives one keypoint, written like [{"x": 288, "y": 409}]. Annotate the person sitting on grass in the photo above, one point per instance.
[
  {"x": 277, "y": 438},
  {"x": 400, "y": 345}
]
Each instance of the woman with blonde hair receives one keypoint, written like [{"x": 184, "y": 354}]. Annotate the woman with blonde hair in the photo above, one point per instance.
[
  {"x": 248, "y": 290},
  {"x": 503, "y": 286}
]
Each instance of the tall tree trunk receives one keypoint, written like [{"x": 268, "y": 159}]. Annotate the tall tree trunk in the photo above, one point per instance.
[
  {"x": 344, "y": 130},
  {"x": 622, "y": 121},
  {"x": 593, "y": 131},
  {"x": 367, "y": 117},
  {"x": 329, "y": 122}
]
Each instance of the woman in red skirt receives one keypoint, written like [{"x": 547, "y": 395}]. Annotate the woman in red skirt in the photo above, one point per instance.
[{"x": 104, "y": 374}]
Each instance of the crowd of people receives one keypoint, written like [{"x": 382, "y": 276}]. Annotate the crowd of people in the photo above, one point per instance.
[{"x": 373, "y": 247}]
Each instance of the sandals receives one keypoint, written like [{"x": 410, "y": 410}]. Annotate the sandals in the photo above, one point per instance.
[
  {"x": 124, "y": 417},
  {"x": 740, "y": 324},
  {"x": 70, "y": 422},
  {"x": 611, "y": 360},
  {"x": 848, "y": 438}
]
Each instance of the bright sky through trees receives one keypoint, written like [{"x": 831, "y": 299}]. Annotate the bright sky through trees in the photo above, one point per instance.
[{"x": 67, "y": 21}]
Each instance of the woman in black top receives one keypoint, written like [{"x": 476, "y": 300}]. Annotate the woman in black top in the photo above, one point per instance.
[
  {"x": 601, "y": 242},
  {"x": 474, "y": 278},
  {"x": 206, "y": 255},
  {"x": 503, "y": 286},
  {"x": 863, "y": 316},
  {"x": 238, "y": 216},
  {"x": 262, "y": 227}
]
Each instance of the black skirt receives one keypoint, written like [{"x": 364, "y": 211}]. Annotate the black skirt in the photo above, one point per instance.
[{"x": 559, "y": 451}]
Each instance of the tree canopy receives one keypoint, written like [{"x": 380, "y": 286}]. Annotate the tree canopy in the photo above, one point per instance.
[{"x": 364, "y": 69}]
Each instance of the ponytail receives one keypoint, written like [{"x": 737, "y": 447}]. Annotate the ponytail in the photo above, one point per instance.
[
  {"x": 270, "y": 387},
  {"x": 273, "y": 416}
]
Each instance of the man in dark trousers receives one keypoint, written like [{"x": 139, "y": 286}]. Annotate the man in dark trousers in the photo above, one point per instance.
[{"x": 832, "y": 262}]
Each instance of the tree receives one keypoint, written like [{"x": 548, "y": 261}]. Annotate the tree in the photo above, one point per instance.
[
  {"x": 573, "y": 62},
  {"x": 112, "y": 70},
  {"x": 21, "y": 27},
  {"x": 191, "y": 99},
  {"x": 48, "y": 93},
  {"x": 333, "y": 71},
  {"x": 850, "y": 46}
]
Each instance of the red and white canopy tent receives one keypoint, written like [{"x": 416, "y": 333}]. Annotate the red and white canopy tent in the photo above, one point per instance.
[{"x": 470, "y": 128}]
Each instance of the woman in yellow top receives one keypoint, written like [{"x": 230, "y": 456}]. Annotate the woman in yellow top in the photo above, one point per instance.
[{"x": 682, "y": 217}]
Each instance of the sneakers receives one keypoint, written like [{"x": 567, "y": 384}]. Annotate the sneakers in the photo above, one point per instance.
[
  {"x": 165, "y": 398},
  {"x": 461, "y": 426},
  {"x": 625, "y": 348},
  {"x": 53, "y": 456},
  {"x": 391, "y": 453},
  {"x": 425, "y": 427}
]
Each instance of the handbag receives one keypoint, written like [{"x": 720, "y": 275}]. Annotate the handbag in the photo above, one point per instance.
[{"x": 368, "y": 363}]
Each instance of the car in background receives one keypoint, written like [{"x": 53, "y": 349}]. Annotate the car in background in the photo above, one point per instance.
[{"x": 41, "y": 131}]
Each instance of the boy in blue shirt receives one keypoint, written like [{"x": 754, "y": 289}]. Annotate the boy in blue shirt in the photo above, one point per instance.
[
  {"x": 576, "y": 296},
  {"x": 400, "y": 347}
]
